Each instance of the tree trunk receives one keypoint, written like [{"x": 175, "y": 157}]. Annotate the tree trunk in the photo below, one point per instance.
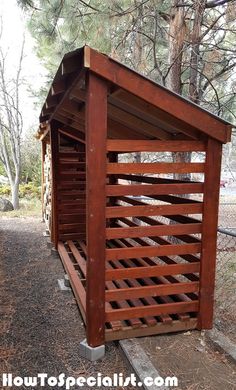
[
  {"x": 195, "y": 45},
  {"x": 177, "y": 34},
  {"x": 15, "y": 193}
]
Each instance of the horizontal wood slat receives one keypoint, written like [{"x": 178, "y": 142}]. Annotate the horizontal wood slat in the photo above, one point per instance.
[
  {"x": 153, "y": 210},
  {"x": 151, "y": 271},
  {"x": 79, "y": 259},
  {"x": 154, "y": 310},
  {"x": 149, "y": 231},
  {"x": 154, "y": 146},
  {"x": 154, "y": 189},
  {"x": 151, "y": 291},
  {"x": 115, "y": 168},
  {"x": 152, "y": 251}
]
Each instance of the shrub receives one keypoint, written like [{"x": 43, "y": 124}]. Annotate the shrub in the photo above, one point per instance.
[
  {"x": 28, "y": 191},
  {"x": 5, "y": 189}
]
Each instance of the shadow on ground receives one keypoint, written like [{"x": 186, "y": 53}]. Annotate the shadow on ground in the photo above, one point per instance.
[{"x": 41, "y": 327}]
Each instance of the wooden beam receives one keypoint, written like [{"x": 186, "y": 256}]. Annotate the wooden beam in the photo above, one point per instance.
[
  {"x": 54, "y": 141},
  {"x": 152, "y": 271},
  {"x": 153, "y": 210},
  {"x": 154, "y": 310},
  {"x": 123, "y": 168},
  {"x": 151, "y": 251},
  {"x": 73, "y": 133},
  {"x": 209, "y": 233},
  {"x": 159, "y": 96},
  {"x": 150, "y": 231},
  {"x": 96, "y": 136},
  {"x": 58, "y": 87},
  {"x": 151, "y": 291},
  {"x": 124, "y": 146},
  {"x": 136, "y": 123},
  {"x": 154, "y": 189}
]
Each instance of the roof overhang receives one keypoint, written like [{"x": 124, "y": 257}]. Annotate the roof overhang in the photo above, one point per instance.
[{"x": 131, "y": 94}]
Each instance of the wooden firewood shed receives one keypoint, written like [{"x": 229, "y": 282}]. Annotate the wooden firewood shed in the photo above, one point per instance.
[{"x": 136, "y": 232}]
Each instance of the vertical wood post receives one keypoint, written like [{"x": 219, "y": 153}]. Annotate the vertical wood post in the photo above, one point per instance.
[
  {"x": 54, "y": 140},
  {"x": 43, "y": 149},
  {"x": 96, "y": 135},
  {"x": 209, "y": 233}
]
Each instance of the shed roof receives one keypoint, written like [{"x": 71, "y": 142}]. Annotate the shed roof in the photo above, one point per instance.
[{"x": 138, "y": 108}]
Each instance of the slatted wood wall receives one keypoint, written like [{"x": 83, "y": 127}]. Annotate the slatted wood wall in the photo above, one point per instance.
[
  {"x": 71, "y": 193},
  {"x": 154, "y": 243}
]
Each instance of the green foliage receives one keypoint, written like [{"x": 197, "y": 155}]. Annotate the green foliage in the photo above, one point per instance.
[
  {"x": 26, "y": 191},
  {"x": 2, "y": 170},
  {"x": 137, "y": 32},
  {"x": 5, "y": 190},
  {"x": 31, "y": 159},
  {"x": 29, "y": 191}
]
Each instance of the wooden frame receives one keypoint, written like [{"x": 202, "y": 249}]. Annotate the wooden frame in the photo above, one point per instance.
[{"x": 140, "y": 256}]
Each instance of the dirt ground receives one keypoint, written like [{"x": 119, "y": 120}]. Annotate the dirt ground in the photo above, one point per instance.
[
  {"x": 41, "y": 327},
  {"x": 191, "y": 358}
]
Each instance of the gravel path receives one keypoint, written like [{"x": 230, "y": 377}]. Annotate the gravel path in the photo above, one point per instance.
[{"x": 40, "y": 325}]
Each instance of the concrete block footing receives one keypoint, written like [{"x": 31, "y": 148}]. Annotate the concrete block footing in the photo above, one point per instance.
[
  {"x": 66, "y": 280},
  {"x": 54, "y": 252},
  {"x": 49, "y": 244},
  {"x": 91, "y": 353},
  {"x": 62, "y": 286}
]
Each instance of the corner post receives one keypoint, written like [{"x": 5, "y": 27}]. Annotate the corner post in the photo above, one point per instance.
[
  {"x": 96, "y": 137},
  {"x": 54, "y": 141},
  {"x": 43, "y": 149},
  {"x": 209, "y": 233}
]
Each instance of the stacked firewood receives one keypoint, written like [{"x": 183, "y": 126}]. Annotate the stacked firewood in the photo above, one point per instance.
[{"x": 47, "y": 188}]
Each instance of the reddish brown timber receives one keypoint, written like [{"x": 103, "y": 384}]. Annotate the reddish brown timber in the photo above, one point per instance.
[
  {"x": 96, "y": 136},
  {"x": 163, "y": 198},
  {"x": 161, "y": 241},
  {"x": 76, "y": 284},
  {"x": 164, "y": 308},
  {"x": 148, "y": 179},
  {"x": 127, "y": 332},
  {"x": 135, "y": 283},
  {"x": 123, "y": 146},
  {"x": 72, "y": 227},
  {"x": 152, "y": 271},
  {"x": 154, "y": 189},
  {"x": 209, "y": 233},
  {"x": 54, "y": 141},
  {"x": 154, "y": 210},
  {"x": 134, "y": 322},
  {"x": 132, "y": 302},
  {"x": 70, "y": 218},
  {"x": 149, "y": 231},
  {"x": 161, "y": 250},
  {"x": 149, "y": 320},
  {"x": 79, "y": 259},
  {"x": 158, "y": 280},
  {"x": 71, "y": 236},
  {"x": 163, "y": 99},
  {"x": 152, "y": 291},
  {"x": 116, "y": 168}
]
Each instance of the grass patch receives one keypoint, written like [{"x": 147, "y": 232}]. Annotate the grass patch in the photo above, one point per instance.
[{"x": 28, "y": 208}]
